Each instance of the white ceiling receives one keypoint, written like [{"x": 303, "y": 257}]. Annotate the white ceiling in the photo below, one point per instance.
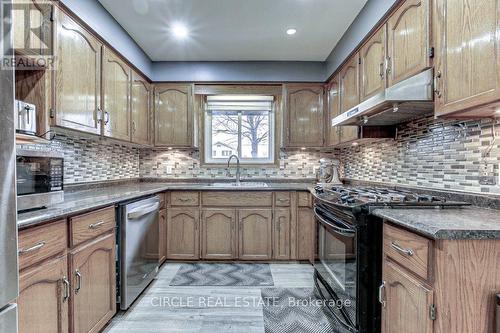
[{"x": 236, "y": 30}]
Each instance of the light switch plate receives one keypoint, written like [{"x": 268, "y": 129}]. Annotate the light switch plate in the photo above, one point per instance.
[
  {"x": 169, "y": 169},
  {"x": 487, "y": 174}
]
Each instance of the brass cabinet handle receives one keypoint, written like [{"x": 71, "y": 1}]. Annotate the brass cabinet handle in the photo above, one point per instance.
[
  {"x": 381, "y": 70},
  {"x": 381, "y": 290},
  {"x": 67, "y": 287},
  {"x": 96, "y": 225},
  {"x": 389, "y": 65},
  {"x": 134, "y": 127},
  {"x": 78, "y": 281},
  {"x": 282, "y": 200},
  {"x": 184, "y": 199},
  {"x": 436, "y": 84},
  {"x": 35, "y": 247},
  {"x": 408, "y": 252}
]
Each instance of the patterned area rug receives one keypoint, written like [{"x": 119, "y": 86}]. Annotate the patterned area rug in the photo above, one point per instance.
[
  {"x": 288, "y": 310},
  {"x": 207, "y": 274}
]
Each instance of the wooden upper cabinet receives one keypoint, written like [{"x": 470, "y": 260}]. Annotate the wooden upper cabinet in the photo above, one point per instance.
[
  {"x": 44, "y": 297},
  {"x": 218, "y": 234},
  {"x": 408, "y": 40},
  {"x": 116, "y": 78},
  {"x": 174, "y": 115},
  {"x": 407, "y": 303},
  {"x": 333, "y": 137},
  {"x": 255, "y": 230},
  {"x": 349, "y": 84},
  {"x": 372, "y": 65},
  {"x": 93, "y": 282},
  {"x": 183, "y": 233},
  {"x": 304, "y": 115},
  {"x": 467, "y": 64},
  {"x": 141, "y": 110},
  {"x": 77, "y": 77},
  {"x": 26, "y": 41}
]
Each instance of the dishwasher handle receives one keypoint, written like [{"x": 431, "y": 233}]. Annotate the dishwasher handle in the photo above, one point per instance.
[{"x": 141, "y": 211}]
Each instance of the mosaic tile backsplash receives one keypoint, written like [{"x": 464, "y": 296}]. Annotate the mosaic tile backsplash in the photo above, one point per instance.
[
  {"x": 90, "y": 159},
  {"x": 441, "y": 154},
  {"x": 186, "y": 164}
]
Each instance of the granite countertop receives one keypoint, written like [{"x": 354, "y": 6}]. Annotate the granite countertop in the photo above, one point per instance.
[
  {"x": 76, "y": 202},
  {"x": 447, "y": 223}
]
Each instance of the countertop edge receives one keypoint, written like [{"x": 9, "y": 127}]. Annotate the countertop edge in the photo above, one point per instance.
[{"x": 441, "y": 234}]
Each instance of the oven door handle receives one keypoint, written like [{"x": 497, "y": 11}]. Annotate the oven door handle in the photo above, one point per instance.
[{"x": 337, "y": 229}]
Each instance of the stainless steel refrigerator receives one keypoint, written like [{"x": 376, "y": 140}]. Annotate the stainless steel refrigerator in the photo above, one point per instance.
[{"x": 8, "y": 226}]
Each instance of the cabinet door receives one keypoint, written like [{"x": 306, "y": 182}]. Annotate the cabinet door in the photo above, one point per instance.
[
  {"x": 407, "y": 303},
  {"x": 93, "y": 280},
  {"x": 333, "y": 111},
  {"x": 349, "y": 84},
  {"x": 372, "y": 65},
  {"x": 304, "y": 115},
  {"x": 408, "y": 41},
  {"x": 255, "y": 230},
  {"x": 183, "y": 233},
  {"x": 467, "y": 65},
  {"x": 116, "y": 91},
  {"x": 141, "y": 110},
  {"x": 281, "y": 239},
  {"x": 306, "y": 233},
  {"x": 77, "y": 77},
  {"x": 174, "y": 115},
  {"x": 163, "y": 235},
  {"x": 44, "y": 297},
  {"x": 26, "y": 15},
  {"x": 218, "y": 234}
]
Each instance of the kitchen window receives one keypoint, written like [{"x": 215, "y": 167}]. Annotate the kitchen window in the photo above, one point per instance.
[{"x": 241, "y": 125}]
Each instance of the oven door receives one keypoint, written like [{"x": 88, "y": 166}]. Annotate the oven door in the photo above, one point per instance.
[{"x": 336, "y": 263}]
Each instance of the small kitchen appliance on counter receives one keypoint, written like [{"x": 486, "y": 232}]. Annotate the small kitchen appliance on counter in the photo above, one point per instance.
[
  {"x": 25, "y": 118},
  {"x": 348, "y": 266},
  {"x": 328, "y": 172},
  {"x": 39, "y": 179}
]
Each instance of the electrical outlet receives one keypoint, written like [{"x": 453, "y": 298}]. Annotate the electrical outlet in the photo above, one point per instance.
[
  {"x": 169, "y": 169},
  {"x": 487, "y": 174}
]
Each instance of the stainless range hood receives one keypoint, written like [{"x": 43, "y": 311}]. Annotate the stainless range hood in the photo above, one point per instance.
[{"x": 404, "y": 101}]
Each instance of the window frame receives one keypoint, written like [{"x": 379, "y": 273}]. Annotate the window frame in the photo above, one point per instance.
[{"x": 273, "y": 159}]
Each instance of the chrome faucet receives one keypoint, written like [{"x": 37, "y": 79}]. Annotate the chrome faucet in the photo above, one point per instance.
[{"x": 238, "y": 172}]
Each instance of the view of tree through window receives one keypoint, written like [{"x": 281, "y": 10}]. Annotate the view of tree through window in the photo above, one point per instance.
[{"x": 241, "y": 126}]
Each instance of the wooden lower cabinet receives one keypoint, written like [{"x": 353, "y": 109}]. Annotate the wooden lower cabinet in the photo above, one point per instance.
[
  {"x": 183, "y": 233},
  {"x": 218, "y": 234},
  {"x": 281, "y": 234},
  {"x": 44, "y": 297},
  {"x": 162, "y": 234},
  {"x": 93, "y": 282},
  {"x": 255, "y": 232},
  {"x": 407, "y": 302},
  {"x": 305, "y": 234}
]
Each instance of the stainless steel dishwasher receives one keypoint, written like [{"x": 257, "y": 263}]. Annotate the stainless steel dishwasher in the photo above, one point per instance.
[{"x": 138, "y": 248}]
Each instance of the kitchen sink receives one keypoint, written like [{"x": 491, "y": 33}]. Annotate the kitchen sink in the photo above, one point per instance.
[{"x": 242, "y": 184}]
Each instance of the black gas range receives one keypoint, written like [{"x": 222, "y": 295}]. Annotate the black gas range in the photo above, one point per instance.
[{"x": 348, "y": 266}]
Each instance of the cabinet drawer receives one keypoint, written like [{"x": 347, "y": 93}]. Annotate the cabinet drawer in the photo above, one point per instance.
[
  {"x": 408, "y": 249},
  {"x": 304, "y": 199},
  {"x": 237, "y": 198},
  {"x": 184, "y": 199},
  {"x": 282, "y": 199},
  {"x": 90, "y": 225},
  {"x": 39, "y": 243}
]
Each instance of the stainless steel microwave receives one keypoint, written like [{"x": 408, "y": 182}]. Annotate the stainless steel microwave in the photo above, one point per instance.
[{"x": 39, "y": 179}]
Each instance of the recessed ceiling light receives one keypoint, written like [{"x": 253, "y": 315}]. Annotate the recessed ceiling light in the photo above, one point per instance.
[
  {"x": 291, "y": 31},
  {"x": 179, "y": 30}
]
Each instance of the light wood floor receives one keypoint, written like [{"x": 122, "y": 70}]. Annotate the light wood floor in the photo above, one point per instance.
[{"x": 163, "y": 308}]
